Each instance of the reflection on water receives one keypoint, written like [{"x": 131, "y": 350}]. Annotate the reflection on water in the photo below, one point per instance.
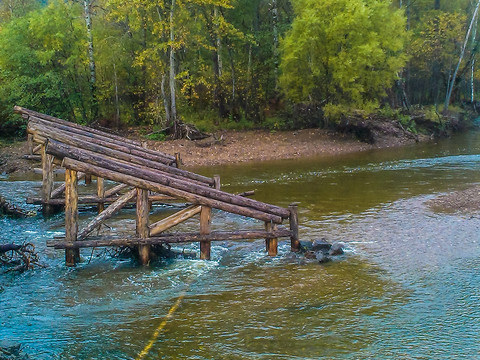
[{"x": 407, "y": 287}]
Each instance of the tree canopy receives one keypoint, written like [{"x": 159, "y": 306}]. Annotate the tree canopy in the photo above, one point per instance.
[{"x": 231, "y": 63}]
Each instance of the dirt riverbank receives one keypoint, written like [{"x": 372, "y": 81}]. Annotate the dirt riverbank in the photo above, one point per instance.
[{"x": 228, "y": 147}]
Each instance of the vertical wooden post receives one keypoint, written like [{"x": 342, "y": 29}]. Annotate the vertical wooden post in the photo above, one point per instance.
[
  {"x": 205, "y": 220},
  {"x": 100, "y": 193},
  {"x": 47, "y": 180},
  {"x": 72, "y": 256},
  {"x": 216, "y": 180},
  {"x": 271, "y": 244},
  {"x": 143, "y": 211},
  {"x": 30, "y": 143},
  {"x": 88, "y": 179},
  {"x": 178, "y": 160},
  {"x": 295, "y": 242}
]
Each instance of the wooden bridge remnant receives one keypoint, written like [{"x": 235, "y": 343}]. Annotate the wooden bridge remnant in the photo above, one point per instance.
[{"x": 144, "y": 176}]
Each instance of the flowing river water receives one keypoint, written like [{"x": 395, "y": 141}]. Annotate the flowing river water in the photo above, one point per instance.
[{"x": 407, "y": 287}]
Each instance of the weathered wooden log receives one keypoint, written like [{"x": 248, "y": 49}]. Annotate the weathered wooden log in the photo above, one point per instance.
[
  {"x": 72, "y": 255},
  {"x": 32, "y": 157},
  {"x": 36, "y": 148},
  {"x": 47, "y": 180},
  {"x": 91, "y": 199},
  {"x": 23, "y": 111},
  {"x": 61, "y": 188},
  {"x": 271, "y": 243},
  {"x": 154, "y": 186},
  {"x": 114, "y": 208},
  {"x": 79, "y": 142},
  {"x": 295, "y": 242},
  {"x": 205, "y": 229},
  {"x": 171, "y": 238},
  {"x": 43, "y": 128},
  {"x": 11, "y": 210},
  {"x": 115, "y": 190},
  {"x": 174, "y": 219},
  {"x": 9, "y": 247},
  {"x": 61, "y": 150},
  {"x": 100, "y": 193},
  {"x": 30, "y": 144},
  {"x": 142, "y": 220}
]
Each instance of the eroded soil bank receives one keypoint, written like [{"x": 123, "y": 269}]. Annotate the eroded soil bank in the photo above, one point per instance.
[{"x": 227, "y": 147}]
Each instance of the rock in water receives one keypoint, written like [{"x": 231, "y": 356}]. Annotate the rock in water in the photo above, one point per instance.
[
  {"x": 310, "y": 255},
  {"x": 321, "y": 245},
  {"x": 321, "y": 257},
  {"x": 305, "y": 245},
  {"x": 337, "y": 249}
]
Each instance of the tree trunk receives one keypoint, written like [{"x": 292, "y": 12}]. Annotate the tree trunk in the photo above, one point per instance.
[
  {"x": 173, "y": 105},
  {"x": 462, "y": 53},
  {"x": 91, "y": 59},
  {"x": 275, "y": 41}
]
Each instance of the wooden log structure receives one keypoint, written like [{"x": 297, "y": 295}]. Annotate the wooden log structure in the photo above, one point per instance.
[{"x": 147, "y": 176}]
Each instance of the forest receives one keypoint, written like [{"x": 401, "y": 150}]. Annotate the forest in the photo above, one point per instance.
[{"x": 234, "y": 64}]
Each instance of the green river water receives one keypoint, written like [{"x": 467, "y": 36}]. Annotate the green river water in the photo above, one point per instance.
[{"x": 408, "y": 286}]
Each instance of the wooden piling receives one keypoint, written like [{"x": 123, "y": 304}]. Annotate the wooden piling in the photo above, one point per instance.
[
  {"x": 142, "y": 229},
  {"x": 178, "y": 160},
  {"x": 88, "y": 179},
  {"x": 205, "y": 229},
  {"x": 294, "y": 239},
  {"x": 72, "y": 256},
  {"x": 30, "y": 144},
  {"x": 271, "y": 244},
  {"x": 216, "y": 182},
  {"x": 47, "y": 181},
  {"x": 100, "y": 193}
]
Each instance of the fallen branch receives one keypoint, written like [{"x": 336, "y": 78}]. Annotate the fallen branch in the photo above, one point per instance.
[{"x": 18, "y": 257}]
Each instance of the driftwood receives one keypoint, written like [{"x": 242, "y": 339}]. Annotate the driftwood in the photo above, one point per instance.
[
  {"x": 11, "y": 210},
  {"x": 18, "y": 257}
]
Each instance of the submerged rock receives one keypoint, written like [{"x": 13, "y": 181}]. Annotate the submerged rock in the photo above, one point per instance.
[
  {"x": 321, "y": 245},
  {"x": 337, "y": 249},
  {"x": 321, "y": 257}
]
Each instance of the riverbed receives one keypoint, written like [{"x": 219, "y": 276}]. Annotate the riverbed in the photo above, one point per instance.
[{"x": 407, "y": 287}]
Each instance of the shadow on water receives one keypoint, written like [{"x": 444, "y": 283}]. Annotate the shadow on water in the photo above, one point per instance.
[{"x": 407, "y": 287}]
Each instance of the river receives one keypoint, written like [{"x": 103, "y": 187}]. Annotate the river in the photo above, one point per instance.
[{"x": 407, "y": 287}]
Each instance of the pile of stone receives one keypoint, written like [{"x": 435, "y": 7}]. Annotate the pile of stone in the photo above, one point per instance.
[{"x": 321, "y": 250}]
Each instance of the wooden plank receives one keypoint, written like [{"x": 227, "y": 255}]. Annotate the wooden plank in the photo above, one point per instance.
[
  {"x": 102, "y": 241},
  {"x": 114, "y": 208},
  {"x": 142, "y": 229},
  {"x": 174, "y": 219},
  {"x": 295, "y": 242},
  {"x": 72, "y": 254},
  {"x": 61, "y": 150},
  {"x": 205, "y": 229},
  {"x": 153, "y": 186},
  {"x": 91, "y": 199}
]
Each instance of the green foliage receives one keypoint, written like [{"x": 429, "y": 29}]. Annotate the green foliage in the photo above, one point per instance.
[{"x": 342, "y": 52}]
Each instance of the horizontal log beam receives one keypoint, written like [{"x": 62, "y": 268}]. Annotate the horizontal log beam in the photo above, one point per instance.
[
  {"x": 24, "y": 111},
  {"x": 122, "y": 153},
  {"x": 167, "y": 190},
  {"x": 42, "y": 130},
  {"x": 174, "y": 219},
  {"x": 91, "y": 199},
  {"x": 61, "y": 150},
  {"x": 172, "y": 239}
]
